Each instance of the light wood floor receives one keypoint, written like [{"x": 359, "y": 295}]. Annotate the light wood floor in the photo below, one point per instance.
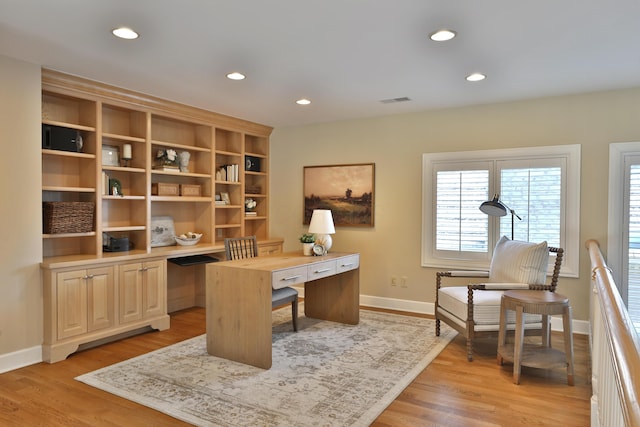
[{"x": 449, "y": 392}]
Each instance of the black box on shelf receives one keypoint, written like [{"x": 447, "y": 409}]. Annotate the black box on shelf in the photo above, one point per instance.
[
  {"x": 61, "y": 138},
  {"x": 252, "y": 164}
]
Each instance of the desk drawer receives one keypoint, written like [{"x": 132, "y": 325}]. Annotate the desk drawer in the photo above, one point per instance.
[
  {"x": 347, "y": 263},
  {"x": 321, "y": 269},
  {"x": 288, "y": 277}
]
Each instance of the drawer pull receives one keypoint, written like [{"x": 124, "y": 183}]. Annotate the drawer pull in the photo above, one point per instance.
[
  {"x": 286, "y": 279},
  {"x": 324, "y": 270},
  {"x": 347, "y": 265}
]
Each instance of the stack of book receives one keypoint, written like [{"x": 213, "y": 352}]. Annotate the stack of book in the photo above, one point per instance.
[{"x": 251, "y": 213}]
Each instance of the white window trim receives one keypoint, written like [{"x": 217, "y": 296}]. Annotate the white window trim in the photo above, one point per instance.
[
  {"x": 615, "y": 225},
  {"x": 572, "y": 154}
]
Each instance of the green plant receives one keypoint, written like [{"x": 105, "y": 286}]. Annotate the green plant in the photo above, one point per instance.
[{"x": 308, "y": 238}]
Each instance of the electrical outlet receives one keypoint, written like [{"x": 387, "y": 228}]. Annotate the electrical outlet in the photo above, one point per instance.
[
  {"x": 403, "y": 282},
  {"x": 394, "y": 281}
]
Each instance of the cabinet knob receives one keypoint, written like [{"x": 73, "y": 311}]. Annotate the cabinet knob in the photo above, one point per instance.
[{"x": 87, "y": 277}]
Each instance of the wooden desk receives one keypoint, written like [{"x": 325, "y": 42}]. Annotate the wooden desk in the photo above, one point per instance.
[{"x": 238, "y": 299}]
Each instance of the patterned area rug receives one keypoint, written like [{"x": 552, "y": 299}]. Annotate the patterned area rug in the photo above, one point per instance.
[{"x": 327, "y": 374}]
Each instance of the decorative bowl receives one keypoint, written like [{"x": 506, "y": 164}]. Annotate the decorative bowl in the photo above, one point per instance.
[{"x": 188, "y": 239}]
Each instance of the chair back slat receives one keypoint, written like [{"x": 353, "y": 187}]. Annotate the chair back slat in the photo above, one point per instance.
[{"x": 241, "y": 247}]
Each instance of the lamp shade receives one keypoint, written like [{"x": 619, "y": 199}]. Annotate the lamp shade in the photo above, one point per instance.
[
  {"x": 322, "y": 226},
  {"x": 321, "y": 222},
  {"x": 494, "y": 207}
]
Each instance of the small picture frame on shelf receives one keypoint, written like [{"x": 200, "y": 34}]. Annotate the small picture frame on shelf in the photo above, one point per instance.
[
  {"x": 110, "y": 155},
  {"x": 162, "y": 231},
  {"x": 225, "y": 198},
  {"x": 115, "y": 187}
]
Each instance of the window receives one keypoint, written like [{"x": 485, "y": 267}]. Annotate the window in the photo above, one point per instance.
[
  {"x": 623, "y": 241},
  {"x": 541, "y": 187}
]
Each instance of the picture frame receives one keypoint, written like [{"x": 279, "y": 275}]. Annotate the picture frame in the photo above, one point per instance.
[
  {"x": 225, "y": 198},
  {"x": 347, "y": 190},
  {"x": 162, "y": 231},
  {"x": 110, "y": 155}
]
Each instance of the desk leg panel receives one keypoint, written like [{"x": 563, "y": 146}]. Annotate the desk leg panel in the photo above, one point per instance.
[
  {"x": 239, "y": 315},
  {"x": 335, "y": 298}
]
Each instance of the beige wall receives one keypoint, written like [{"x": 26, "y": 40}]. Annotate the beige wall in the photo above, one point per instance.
[
  {"x": 20, "y": 215},
  {"x": 396, "y": 142}
]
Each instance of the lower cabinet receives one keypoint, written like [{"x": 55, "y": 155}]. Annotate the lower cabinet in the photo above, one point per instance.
[
  {"x": 100, "y": 301},
  {"x": 84, "y": 301},
  {"x": 142, "y": 290}
]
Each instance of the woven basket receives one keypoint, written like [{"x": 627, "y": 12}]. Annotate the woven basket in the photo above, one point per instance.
[{"x": 67, "y": 217}]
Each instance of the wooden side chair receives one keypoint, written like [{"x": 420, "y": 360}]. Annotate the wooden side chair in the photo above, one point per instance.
[
  {"x": 247, "y": 247},
  {"x": 473, "y": 309}
]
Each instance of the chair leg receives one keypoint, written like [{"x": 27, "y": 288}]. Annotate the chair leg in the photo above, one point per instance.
[
  {"x": 437, "y": 327},
  {"x": 469, "y": 350},
  {"x": 294, "y": 314}
]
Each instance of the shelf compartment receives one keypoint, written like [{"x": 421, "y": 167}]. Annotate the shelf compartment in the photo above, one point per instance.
[
  {"x": 133, "y": 182},
  {"x": 123, "y": 123},
  {"x": 228, "y": 141},
  {"x": 232, "y": 215},
  {"x": 69, "y": 244},
  {"x": 180, "y": 134},
  {"x": 227, "y": 231},
  {"x": 120, "y": 212},
  {"x": 61, "y": 110},
  {"x": 256, "y": 145},
  {"x": 68, "y": 170},
  {"x": 137, "y": 237},
  {"x": 138, "y": 151},
  {"x": 256, "y": 226},
  {"x": 187, "y": 216},
  {"x": 204, "y": 181}
]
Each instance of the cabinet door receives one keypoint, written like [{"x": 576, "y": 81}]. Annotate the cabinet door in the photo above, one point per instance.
[
  {"x": 143, "y": 290},
  {"x": 71, "y": 303},
  {"x": 130, "y": 292},
  {"x": 100, "y": 298},
  {"x": 154, "y": 300}
]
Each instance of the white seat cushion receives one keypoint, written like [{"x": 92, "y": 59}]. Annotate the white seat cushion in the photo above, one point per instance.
[{"x": 486, "y": 306}]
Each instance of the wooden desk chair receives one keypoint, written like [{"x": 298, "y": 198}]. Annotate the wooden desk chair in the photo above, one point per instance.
[
  {"x": 473, "y": 309},
  {"x": 247, "y": 247}
]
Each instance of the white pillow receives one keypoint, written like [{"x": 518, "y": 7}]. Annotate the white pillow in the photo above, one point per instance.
[{"x": 520, "y": 262}]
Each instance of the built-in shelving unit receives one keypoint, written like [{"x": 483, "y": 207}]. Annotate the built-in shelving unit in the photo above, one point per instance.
[
  {"x": 92, "y": 294},
  {"x": 110, "y": 118}
]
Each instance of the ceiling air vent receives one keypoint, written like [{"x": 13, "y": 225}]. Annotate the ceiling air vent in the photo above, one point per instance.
[{"x": 393, "y": 100}]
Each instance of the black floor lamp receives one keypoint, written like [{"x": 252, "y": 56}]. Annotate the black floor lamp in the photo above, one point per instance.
[{"x": 495, "y": 207}]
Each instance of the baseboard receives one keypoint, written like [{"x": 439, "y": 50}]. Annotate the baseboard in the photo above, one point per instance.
[{"x": 20, "y": 359}]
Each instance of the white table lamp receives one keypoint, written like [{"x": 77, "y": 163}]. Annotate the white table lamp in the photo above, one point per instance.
[{"x": 322, "y": 226}]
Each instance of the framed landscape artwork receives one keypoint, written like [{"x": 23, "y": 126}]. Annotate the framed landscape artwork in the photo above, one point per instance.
[{"x": 346, "y": 190}]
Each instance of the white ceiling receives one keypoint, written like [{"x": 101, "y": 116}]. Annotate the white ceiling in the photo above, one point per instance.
[{"x": 344, "y": 55}]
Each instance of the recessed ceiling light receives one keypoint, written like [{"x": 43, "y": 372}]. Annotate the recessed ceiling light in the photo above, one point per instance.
[
  {"x": 125, "y": 33},
  {"x": 475, "y": 77},
  {"x": 236, "y": 76},
  {"x": 303, "y": 101},
  {"x": 442, "y": 35}
]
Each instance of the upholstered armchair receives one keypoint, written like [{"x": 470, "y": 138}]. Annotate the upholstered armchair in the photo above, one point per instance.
[{"x": 473, "y": 309}]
